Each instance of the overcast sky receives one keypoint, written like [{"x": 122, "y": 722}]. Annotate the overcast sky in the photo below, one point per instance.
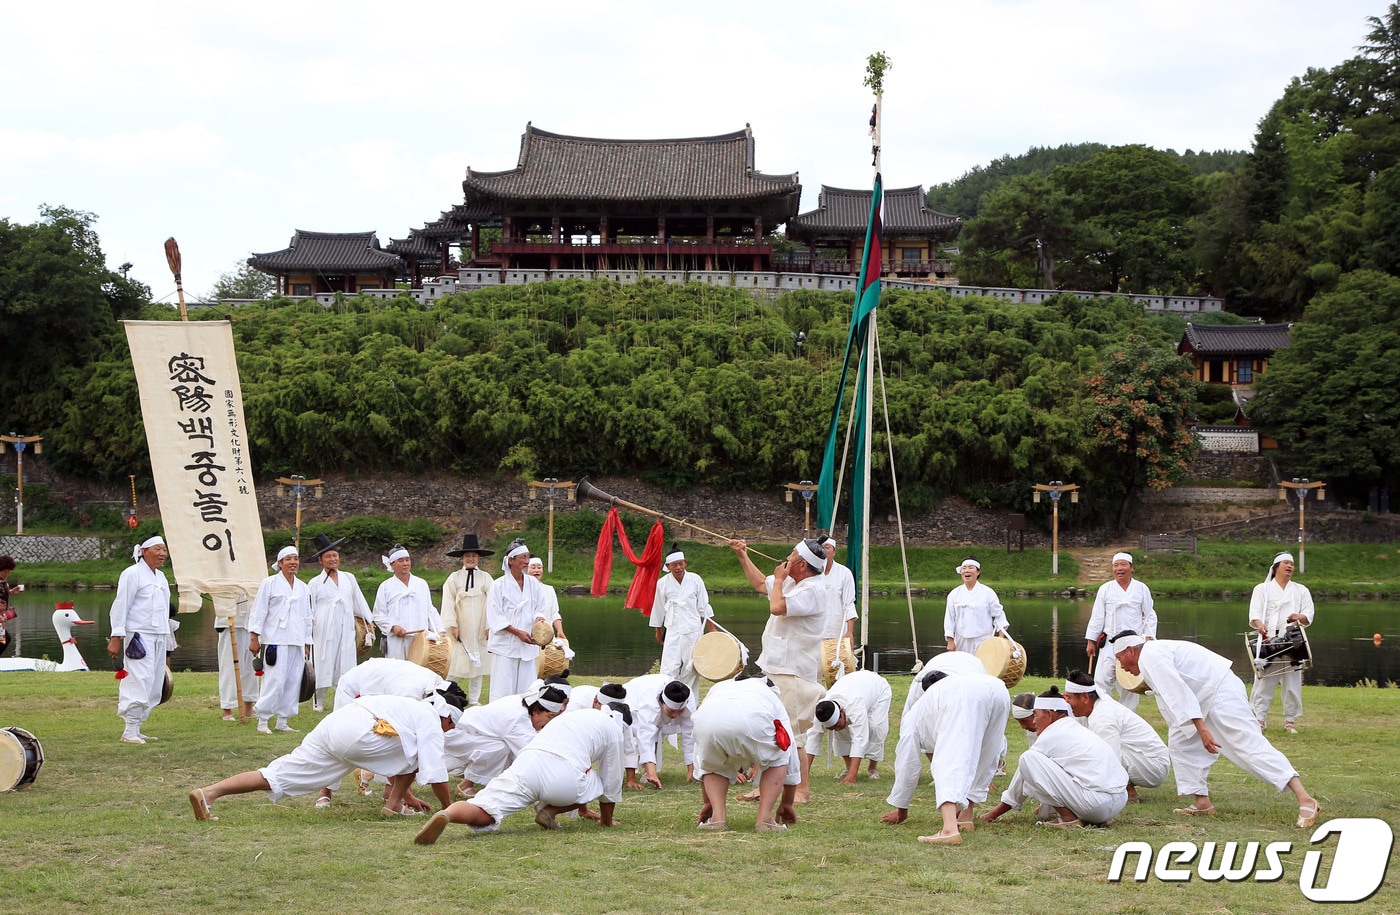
[{"x": 230, "y": 125}]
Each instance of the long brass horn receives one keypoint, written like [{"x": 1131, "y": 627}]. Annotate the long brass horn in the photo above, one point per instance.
[{"x": 586, "y": 490}]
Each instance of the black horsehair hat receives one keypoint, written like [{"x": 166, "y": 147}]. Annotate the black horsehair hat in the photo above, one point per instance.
[
  {"x": 470, "y": 545},
  {"x": 323, "y": 544}
]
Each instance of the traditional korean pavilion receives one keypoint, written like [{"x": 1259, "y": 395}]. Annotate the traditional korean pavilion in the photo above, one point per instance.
[
  {"x": 330, "y": 262},
  {"x": 1231, "y": 353},
  {"x": 912, "y": 232},
  {"x": 596, "y": 204}
]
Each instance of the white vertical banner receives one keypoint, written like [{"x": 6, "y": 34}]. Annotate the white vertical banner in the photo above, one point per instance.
[{"x": 192, "y": 406}]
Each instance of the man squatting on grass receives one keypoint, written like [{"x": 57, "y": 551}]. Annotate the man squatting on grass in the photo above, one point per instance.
[{"x": 1208, "y": 713}]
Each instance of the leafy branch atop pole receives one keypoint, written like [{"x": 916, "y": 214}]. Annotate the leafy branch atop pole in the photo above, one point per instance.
[{"x": 875, "y": 66}]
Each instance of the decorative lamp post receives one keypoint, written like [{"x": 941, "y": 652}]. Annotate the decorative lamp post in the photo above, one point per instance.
[
  {"x": 552, "y": 489},
  {"x": 1302, "y": 488},
  {"x": 1056, "y": 489},
  {"x": 21, "y": 442},
  {"x": 808, "y": 489},
  {"x": 299, "y": 484}
]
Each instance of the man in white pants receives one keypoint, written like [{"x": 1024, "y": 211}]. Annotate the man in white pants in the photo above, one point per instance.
[
  {"x": 744, "y": 723},
  {"x": 1070, "y": 768},
  {"x": 574, "y": 760},
  {"x": 973, "y": 613},
  {"x": 489, "y": 737},
  {"x": 141, "y": 631},
  {"x": 1208, "y": 712},
  {"x": 961, "y": 720},
  {"x": 1138, "y": 748},
  {"x": 1275, "y": 605},
  {"x": 397, "y": 737},
  {"x": 1121, "y": 604},
  {"x": 856, "y": 714},
  {"x": 403, "y": 606},
  {"x": 515, "y": 604},
  {"x": 280, "y": 622},
  {"x": 680, "y": 614},
  {"x": 660, "y": 707},
  {"x": 336, "y": 602}
]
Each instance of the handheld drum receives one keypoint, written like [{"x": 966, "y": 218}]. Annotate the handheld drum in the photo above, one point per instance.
[
  {"x": 361, "y": 629},
  {"x": 718, "y": 656},
  {"x": 1131, "y": 683},
  {"x": 1004, "y": 658},
  {"x": 542, "y": 633},
  {"x": 551, "y": 660},
  {"x": 21, "y": 758},
  {"x": 434, "y": 655},
  {"x": 1291, "y": 649}
]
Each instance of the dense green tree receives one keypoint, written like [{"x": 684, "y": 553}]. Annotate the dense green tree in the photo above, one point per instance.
[
  {"x": 1329, "y": 397},
  {"x": 963, "y": 196},
  {"x": 1142, "y": 397},
  {"x": 1022, "y": 227},
  {"x": 242, "y": 282},
  {"x": 58, "y": 310}
]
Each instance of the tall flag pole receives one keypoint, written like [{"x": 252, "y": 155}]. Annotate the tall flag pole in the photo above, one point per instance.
[{"x": 859, "y": 342}]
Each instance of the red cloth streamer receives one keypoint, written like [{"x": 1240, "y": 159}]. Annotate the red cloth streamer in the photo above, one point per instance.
[
  {"x": 780, "y": 735},
  {"x": 643, "y": 590}
]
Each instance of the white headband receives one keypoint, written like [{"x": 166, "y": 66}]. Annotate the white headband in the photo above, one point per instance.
[
  {"x": 829, "y": 539},
  {"x": 535, "y": 561},
  {"x": 1050, "y": 703},
  {"x": 1078, "y": 688},
  {"x": 1126, "y": 557},
  {"x": 835, "y": 715},
  {"x": 511, "y": 554},
  {"x": 283, "y": 554},
  {"x": 394, "y": 557},
  {"x": 968, "y": 562},
  {"x": 1019, "y": 713},
  {"x": 444, "y": 708},
  {"x": 149, "y": 542},
  {"x": 812, "y": 559},
  {"x": 1124, "y": 642},
  {"x": 677, "y": 556},
  {"x": 1281, "y": 557},
  {"x": 673, "y": 706}
]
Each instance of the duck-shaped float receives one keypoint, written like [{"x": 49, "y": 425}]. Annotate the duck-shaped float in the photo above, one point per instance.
[{"x": 64, "y": 619}]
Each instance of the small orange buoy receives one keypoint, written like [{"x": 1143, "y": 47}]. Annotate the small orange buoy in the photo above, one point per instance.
[{"x": 1376, "y": 638}]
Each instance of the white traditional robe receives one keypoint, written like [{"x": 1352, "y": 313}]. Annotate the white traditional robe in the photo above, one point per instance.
[
  {"x": 972, "y": 616},
  {"x": 489, "y": 737},
  {"x": 1115, "y": 609},
  {"x": 386, "y": 677},
  {"x": 1191, "y": 681},
  {"x": 281, "y": 617},
  {"x": 962, "y": 722},
  {"x": 464, "y": 606},
  {"x": 792, "y": 643},
  {"x": 842, "y": 585},
  {"x": 651, "y": 724},
  {"x": 1070, "y": 766},
  {"x": 334, "y": 606},
  {"x": 408, "y": 605},
  {"x": 575, "y": 759},
  {"x": 1138, "y": 748},
  {"x": 345, "y": 740},
  {"x": 737, "y": 726},
  {"x": 681, "y": 608},
  {"x": 950, "y": 662},
  {"x": 142, "y": 605},
  {"x": 518, "y": 605},
  {"x": 1272, "y": 606},
  {"x": 865, "y": 696}
]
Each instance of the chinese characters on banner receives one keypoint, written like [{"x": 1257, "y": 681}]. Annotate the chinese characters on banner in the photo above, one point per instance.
[{"x": 192, "y": 406}]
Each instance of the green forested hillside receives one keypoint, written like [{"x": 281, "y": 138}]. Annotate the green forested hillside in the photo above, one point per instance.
[{"x": 677, "y": 384}]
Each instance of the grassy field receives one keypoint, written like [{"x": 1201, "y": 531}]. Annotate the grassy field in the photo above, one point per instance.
[{"x": 107, "y": 828}]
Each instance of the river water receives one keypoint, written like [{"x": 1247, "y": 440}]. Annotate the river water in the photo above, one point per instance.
[{"x": 611, "y": 641}]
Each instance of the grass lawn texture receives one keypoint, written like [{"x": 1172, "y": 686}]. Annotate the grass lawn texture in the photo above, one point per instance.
[{"x": 107, "y": 827}]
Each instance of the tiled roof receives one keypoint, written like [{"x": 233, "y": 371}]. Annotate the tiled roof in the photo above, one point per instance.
[
  {"x": 554, "y": 166},
  {"x": 1234, "y": 339},
  {"x": 328, "y": 252},
  {"x": 417, "y": 247},
  {"x": 843, "y": 211}
]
